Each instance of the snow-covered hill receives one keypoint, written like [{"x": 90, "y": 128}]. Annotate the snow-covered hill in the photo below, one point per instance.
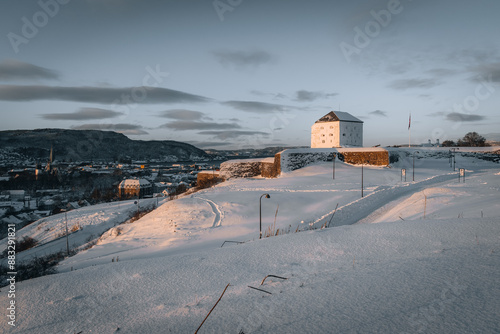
[
  {"x": 408, "y": 257},
  {"x": 84, "y": 224}
]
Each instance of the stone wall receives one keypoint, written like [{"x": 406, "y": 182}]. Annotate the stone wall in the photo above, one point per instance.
[
  {"x": 240, "y": 168},
  {"x": 374, "y": 158},
  {"x": 292, "y": 161},
  {"x": 207, "y": 179},
  {"x": 298, "y": 158},
  {"x": 267, "y": 167},
  {"x": 289, "y": 160},
  {"x": 271, "y": 168}
]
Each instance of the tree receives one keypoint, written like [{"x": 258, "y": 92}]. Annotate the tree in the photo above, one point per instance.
[
  {"x": 448, "y": 143},
  {"x": 472, "y": 139}
]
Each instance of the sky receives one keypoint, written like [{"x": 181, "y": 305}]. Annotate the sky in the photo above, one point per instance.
[{"x": 236, "y": 74}]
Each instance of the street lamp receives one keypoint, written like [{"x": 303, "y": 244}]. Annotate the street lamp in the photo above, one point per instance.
[
  {"x": 334, "y": 156},
  {"x": 362, "y": 179},
  {"x": 454, "y": 149},
  {"x": 414, "y": 164},
  {"x": 260, "y": 214}
]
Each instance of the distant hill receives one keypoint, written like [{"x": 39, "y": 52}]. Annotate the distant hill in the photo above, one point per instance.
[
  {"x": 492, "y": 138},
  {"x": 75, "y": 145},
  {"x": 252, "y": 152}
]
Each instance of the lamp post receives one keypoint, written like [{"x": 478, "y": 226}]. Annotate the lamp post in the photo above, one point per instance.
[
  {"x": 67, "y": 240},
  {"x": 334, "y": 156},
  {"x": 414, "y": 164},
  {"x": 454, "y": 149},
  {"x": 362, "y": 177},
  {"x": 454, "y": 161},
  {"x": 260, "y": 214}
]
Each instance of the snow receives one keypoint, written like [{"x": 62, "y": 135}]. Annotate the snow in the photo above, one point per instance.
[
  {"x": 134, "y": 183},
  {"x": 87, "y": 222},
  {"x": 381, "y": 266},
  {"x": 11, "y": 220}
]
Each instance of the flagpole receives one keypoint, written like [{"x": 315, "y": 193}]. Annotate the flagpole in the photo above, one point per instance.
[
  {"x": 409, "y": 132},
  {"x": 409, "y": 138}
]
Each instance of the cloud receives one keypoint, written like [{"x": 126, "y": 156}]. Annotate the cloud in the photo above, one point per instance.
[
  {"x": 378, "y": 113},
  {"x": 487, "y": 73},
  {"x": 240, "y": 59},
  {"x": 103, "y": 95},
  {"x": 125, "y": 128},
  {"x": 196, "y": 125},
  {"x": 307, "y": 96},
  {"x": 273, "y": 95},
  {"x": 182, "y": 114},
  {"x": 437, "y": 114},
  {"x": 458, "y": 117},
  {"x": 474, "y": 56},
  {"x": 11, "y": 69},
  {"x": 255, "y": 106},
  {"x": 442, "y": 72},
  {"x": 83, "y": 114},
  {"x": 403, "y": 84},
  {"x": 223, "y": 135}
]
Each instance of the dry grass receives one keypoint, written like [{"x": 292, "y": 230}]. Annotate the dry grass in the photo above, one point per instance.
[{"x": 75, "y": 228}]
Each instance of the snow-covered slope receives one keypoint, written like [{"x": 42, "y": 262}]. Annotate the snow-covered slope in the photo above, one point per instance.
[
  {"x": 394, "y": 271},
  {"x": 84, "y": 224}
]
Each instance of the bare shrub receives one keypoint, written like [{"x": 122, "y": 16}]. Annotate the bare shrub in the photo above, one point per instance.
[
  {"x": 75, "y": 228},
  {"x": 25, "y": 243}
]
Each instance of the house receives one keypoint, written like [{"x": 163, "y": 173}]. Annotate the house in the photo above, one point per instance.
[
  {"x": 17, "y": 195},
  {"x": 158, "y": 187},
  {"x": 10, "y": 220},
  {"x": 135, "y": 188},
  {"x": 337, "y": 129}
]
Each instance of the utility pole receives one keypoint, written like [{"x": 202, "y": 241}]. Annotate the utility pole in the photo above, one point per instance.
[
  {"x": 414, "y": 164},
  {"x": 334, "y": 156},
  {"x": 362, "y": 180},
  {"x": 67, "y": 240},
  {"x": 260, "y": 213}
]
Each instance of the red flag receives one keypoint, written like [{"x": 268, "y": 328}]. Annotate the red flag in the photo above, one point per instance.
[{"x": 409, "y": 122}]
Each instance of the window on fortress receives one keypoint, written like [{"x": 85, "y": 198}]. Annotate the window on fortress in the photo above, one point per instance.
[
  {"x": 323, "y": 141},
  {"x": 331, "y": 134}
]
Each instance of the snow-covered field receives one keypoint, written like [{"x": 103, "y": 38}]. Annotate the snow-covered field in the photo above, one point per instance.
[
  {"x": 84, "y": 224},
  {"x": 408, "y": 257}
]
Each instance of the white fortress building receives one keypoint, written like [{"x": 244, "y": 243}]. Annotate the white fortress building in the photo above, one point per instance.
[{"x": 337, "y": 129}]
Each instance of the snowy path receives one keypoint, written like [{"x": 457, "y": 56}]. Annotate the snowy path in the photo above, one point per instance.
[
  {"x": 356, "y": 211},
  {"x": 215, "y": 208},
  {"x": 441, "y": 201}
]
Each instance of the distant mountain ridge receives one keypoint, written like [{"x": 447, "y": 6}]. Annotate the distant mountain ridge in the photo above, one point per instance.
[
  {"x": 76, "y": 145},
  {"x": 492, "y": 138}
]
